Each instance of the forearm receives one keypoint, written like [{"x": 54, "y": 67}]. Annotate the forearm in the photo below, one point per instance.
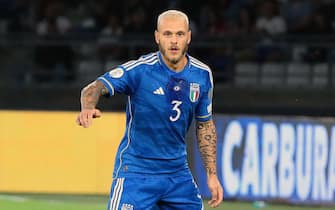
[
  {"x": 206, "y": 135},
  {"x": 91, "y": 93}
]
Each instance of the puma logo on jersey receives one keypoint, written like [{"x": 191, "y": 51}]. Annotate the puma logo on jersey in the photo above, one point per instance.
[{"x": 159, "y": 91}]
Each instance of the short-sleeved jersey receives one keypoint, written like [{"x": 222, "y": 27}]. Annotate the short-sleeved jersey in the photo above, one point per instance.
[{"x": 160, "y": 108}]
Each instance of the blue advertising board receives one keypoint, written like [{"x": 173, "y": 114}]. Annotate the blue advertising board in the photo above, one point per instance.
[{"x": 274, "y": 158}]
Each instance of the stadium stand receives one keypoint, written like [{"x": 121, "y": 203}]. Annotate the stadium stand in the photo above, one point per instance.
[{"x": 243, "y": 57}]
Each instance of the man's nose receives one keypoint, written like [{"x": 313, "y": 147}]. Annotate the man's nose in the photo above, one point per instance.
[{"x": 174, "y": 39}]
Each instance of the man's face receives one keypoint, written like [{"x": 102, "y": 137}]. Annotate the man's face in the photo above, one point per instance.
[{"x": 173, "y": 37}]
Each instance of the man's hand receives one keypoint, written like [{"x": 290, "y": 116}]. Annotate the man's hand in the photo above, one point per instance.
[
  {"x": 89, "y": 99},
  {"x": 86, "y": 116},
  {"x": 216, "y": 190}
]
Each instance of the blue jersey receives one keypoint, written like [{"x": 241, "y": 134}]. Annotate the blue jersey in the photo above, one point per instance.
[{"x": 160, "y": 108}]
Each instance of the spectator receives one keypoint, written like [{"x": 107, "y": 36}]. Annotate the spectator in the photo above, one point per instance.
[
  {"x": 320, "y": 19},
  {"x": 245, "y": 28},
  {"x": 53, "y": 58},
  {"x": 245, "y": 21},
  {"x": 84, "y": 19},
  {"x": 109, "y": 35},
  {"x": 22, "y": 18},
  {"x": 297, "y": 14},
  {"x": 318, "y": 25},
  {"x": 113, "y": 27},
  {"x": 269, "y": 24},
  {"x": 137, "y": 22}
]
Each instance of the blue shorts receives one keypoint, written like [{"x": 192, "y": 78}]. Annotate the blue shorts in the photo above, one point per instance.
[{"x": 155, "y": 193}]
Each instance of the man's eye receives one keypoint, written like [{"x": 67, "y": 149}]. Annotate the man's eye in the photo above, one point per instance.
[{"x": 167, "y": 34}]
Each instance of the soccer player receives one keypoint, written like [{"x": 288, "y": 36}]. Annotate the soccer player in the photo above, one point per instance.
[{"x": 166, "y": 90}]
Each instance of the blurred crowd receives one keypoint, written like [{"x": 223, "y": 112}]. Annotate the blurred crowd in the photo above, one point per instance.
[
  {"x": 55, "y": 19},
  {"x": 209, "y": 17}
]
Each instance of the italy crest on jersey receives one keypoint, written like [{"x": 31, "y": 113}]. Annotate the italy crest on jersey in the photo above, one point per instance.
[{"x": 194, "y": 92}]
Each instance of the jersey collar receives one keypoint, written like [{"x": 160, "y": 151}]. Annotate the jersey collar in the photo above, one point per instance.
[{"x": 161, "y": 62}]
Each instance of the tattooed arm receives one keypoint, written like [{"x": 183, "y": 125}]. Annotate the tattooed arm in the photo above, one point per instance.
[
  {"x": 206, "y": 135},
  {"x": 89, "y": 98}
]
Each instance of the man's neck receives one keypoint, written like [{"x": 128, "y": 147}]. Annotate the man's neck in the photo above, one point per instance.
[{"x": 177, "y": 67}]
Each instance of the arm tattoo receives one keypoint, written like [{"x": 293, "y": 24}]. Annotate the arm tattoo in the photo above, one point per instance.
[
  {"x": 206, "y": 136},
  {"x": 91, "y": 93}
]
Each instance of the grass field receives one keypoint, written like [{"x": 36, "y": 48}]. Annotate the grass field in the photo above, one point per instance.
[{"x": 74, "y": 202}]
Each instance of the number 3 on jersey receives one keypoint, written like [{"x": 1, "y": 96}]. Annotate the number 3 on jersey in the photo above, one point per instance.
[{"x": 176, "y": 108}]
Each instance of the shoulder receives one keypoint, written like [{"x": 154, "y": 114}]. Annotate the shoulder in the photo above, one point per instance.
[
  {"x": 143, "y": 61},
  {"x": 198, "y": 64},
  {"x": 202, "y": 68}
]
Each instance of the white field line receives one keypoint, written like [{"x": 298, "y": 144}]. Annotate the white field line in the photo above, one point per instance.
[
  {"x": 13, "y": 198},
  {"x": 16, "y": 198}
]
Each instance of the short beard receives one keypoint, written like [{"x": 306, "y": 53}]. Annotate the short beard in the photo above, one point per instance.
[{"x": 174, "y": 61}]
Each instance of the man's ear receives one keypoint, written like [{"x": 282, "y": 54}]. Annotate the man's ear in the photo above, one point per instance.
[
  {"x": 189, "y": 37},
  {"x": 156, "y": 37}
]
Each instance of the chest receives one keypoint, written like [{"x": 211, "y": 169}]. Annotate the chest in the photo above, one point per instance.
[{"x": 162, "y": 90}]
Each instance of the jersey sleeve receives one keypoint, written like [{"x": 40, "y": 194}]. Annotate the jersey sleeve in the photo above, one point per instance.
[
  {"x": 203, "y": 110},
  {"x": 118, "y": 80}
]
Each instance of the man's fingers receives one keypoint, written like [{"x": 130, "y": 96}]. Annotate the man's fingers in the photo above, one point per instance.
[
  {"x": 78, "y": 120},
  {"x": 85, "y": 117},
  {"x": 217, "y": 196},
  {"x": 220, "y": 193},
  {"x": 96, "y": 113},
  {"x": 214, "y": 195},
  {"x": 82, "y": 120},
  {"x": 214, "y": 202},
  {"x": 90, "y": 117}
]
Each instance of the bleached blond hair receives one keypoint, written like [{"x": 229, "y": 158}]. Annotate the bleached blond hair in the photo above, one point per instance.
[{"x": 172, "y": 13}]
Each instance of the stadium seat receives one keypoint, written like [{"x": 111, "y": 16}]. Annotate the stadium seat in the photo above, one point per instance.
[
  {"x": 320, "y": 74},
  {"x": 246, "y": 74},
  {"x": 272, "y": 74},
  {"x": 298, "y": 74}
]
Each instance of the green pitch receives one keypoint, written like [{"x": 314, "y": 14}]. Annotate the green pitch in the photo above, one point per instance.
[{"x": 68, "y": 202}]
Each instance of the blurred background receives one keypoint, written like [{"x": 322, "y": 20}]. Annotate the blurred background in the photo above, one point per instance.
[
  {"x": 273, "y": 62},
  {"x": 267, "y": 56}
]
